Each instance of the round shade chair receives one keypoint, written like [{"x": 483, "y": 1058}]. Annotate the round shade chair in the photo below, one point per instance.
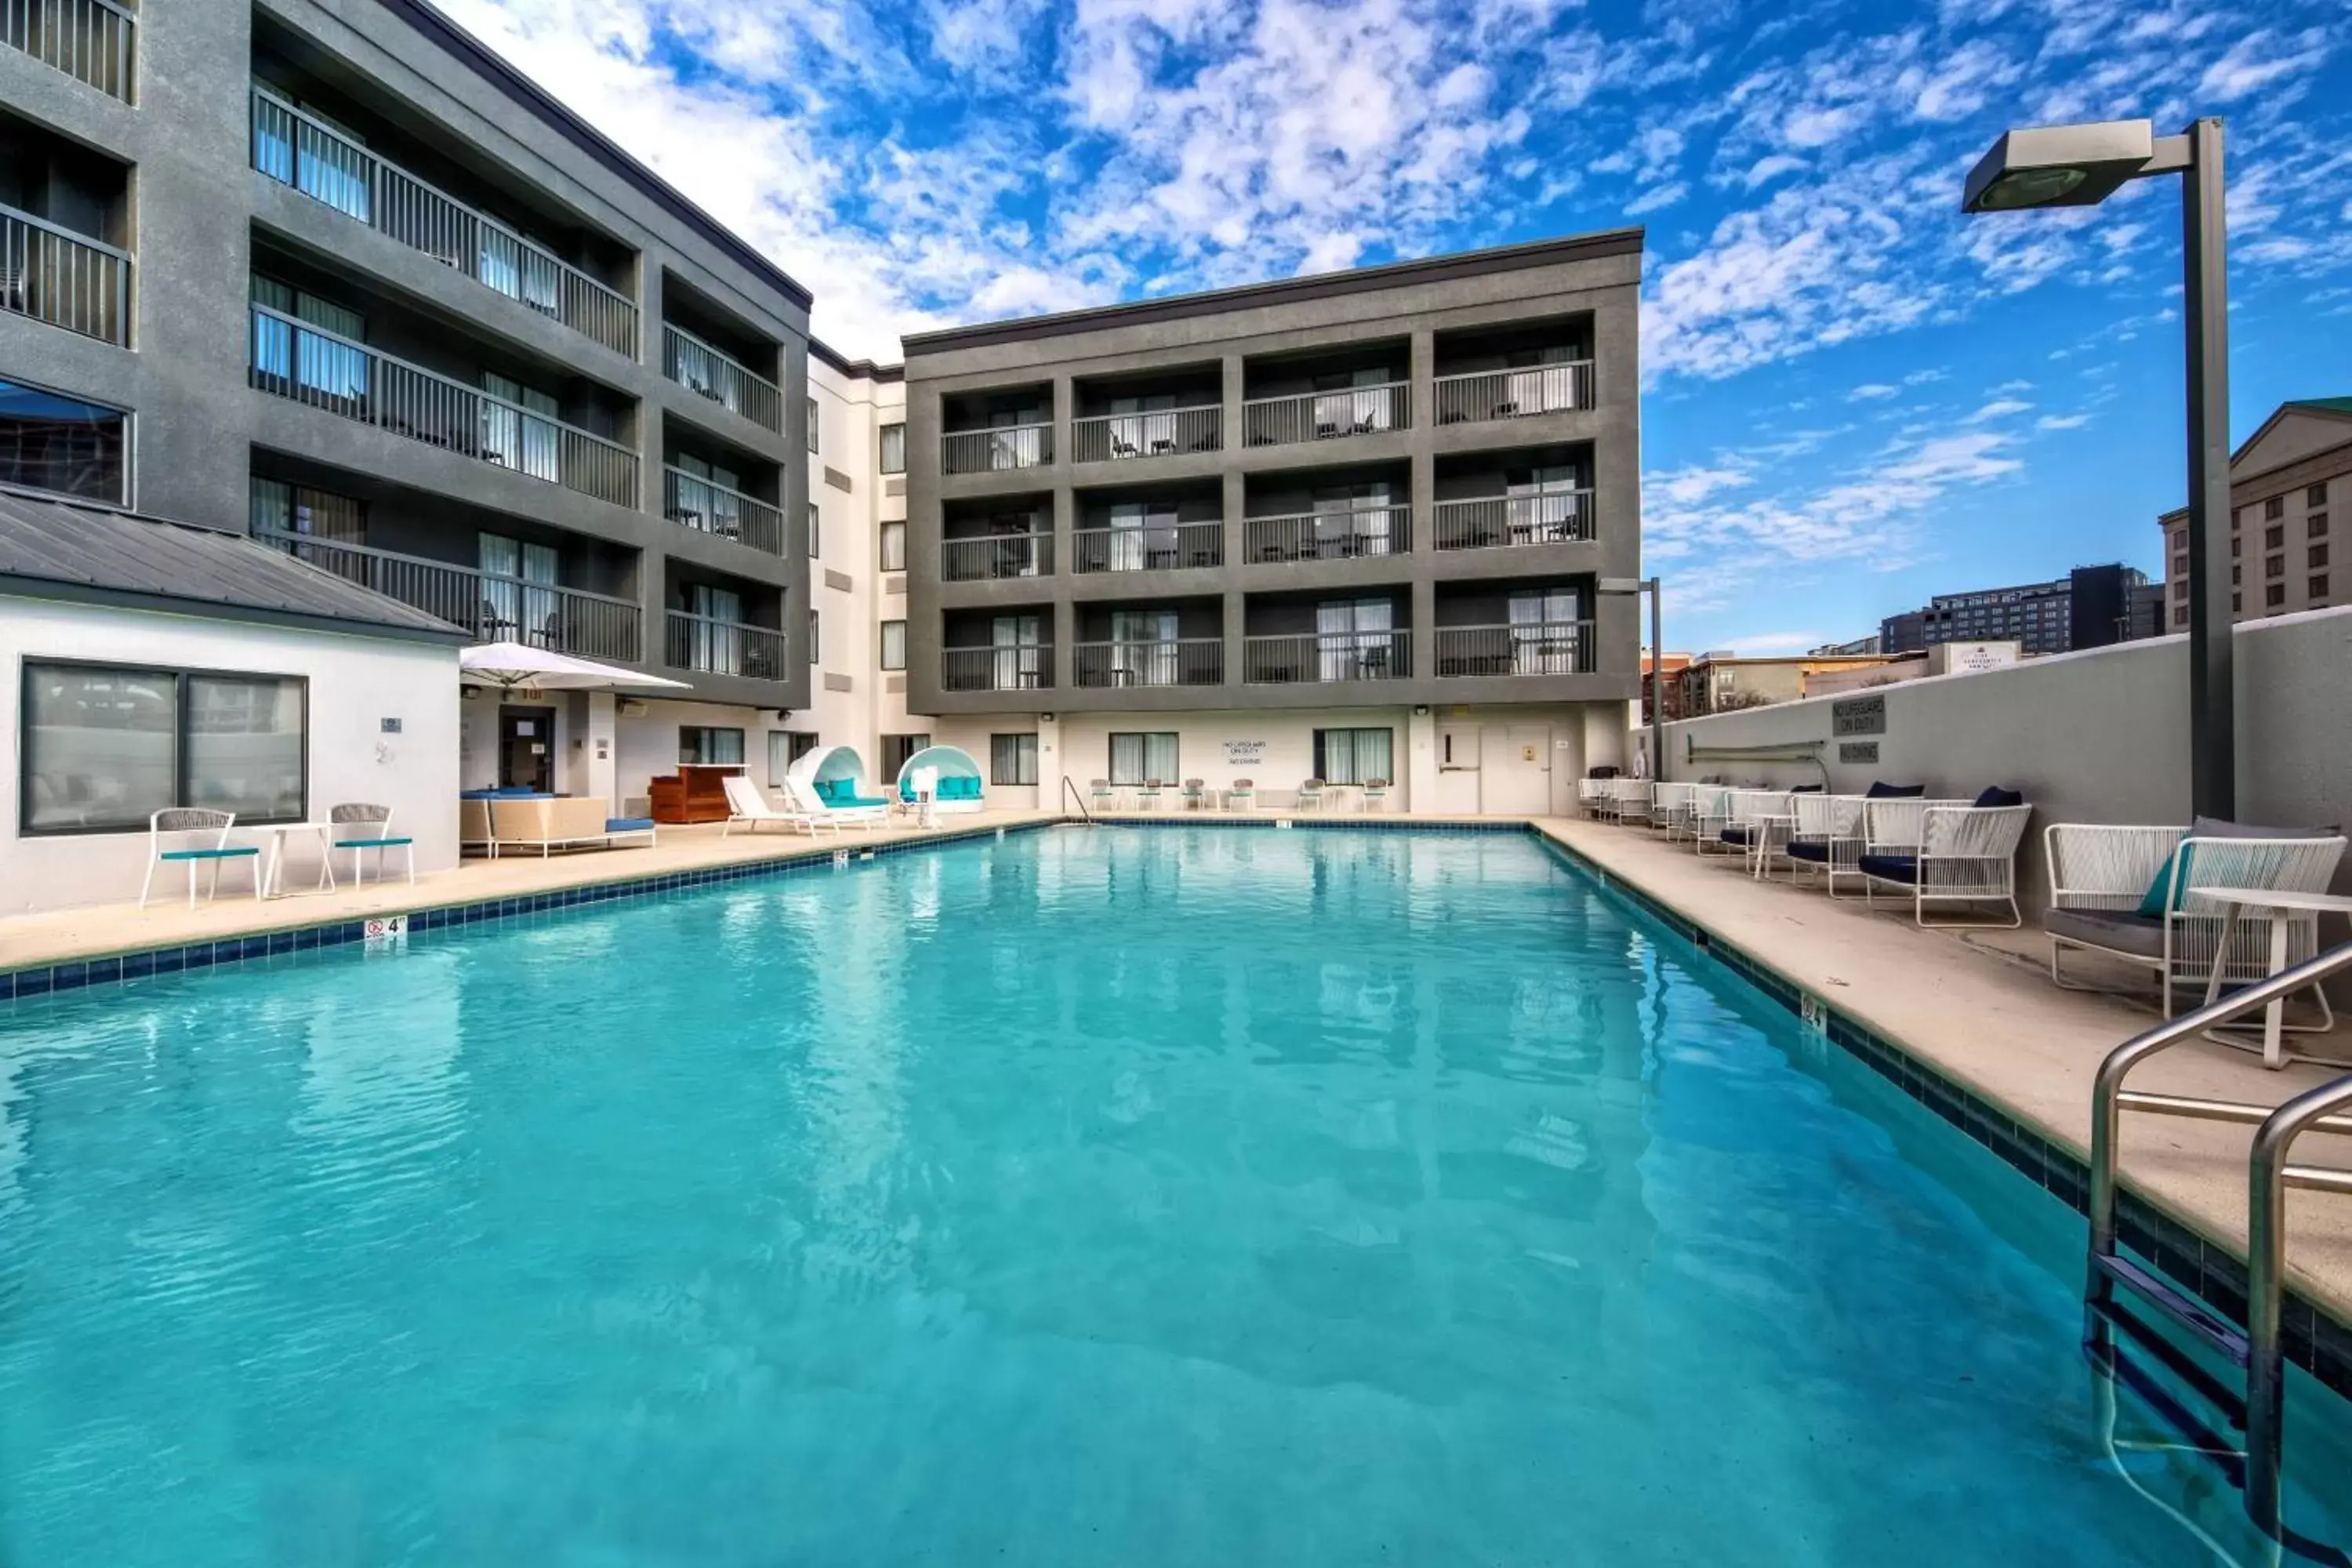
[
  {"x": 956, "y": 785},
  {"x": 837, "y": 776}
]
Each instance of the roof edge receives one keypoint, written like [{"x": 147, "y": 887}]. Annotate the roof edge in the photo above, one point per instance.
[
  {"x": 492, "y": 68},
  {"x": 58, "y": 591},
  {"x": 864, "y": 368},
  {"x": 1593, "y": 247}
]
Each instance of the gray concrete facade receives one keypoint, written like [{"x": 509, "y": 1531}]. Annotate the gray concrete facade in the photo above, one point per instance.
[
  {"x": 1410, "y": 330},
  {"x": 201, "y": 219}
]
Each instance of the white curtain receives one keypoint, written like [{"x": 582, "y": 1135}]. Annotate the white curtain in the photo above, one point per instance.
[
  {"x": 1347, "y": 631},
  {"x": 1143, "y": 647},
  {"x": 1355, "y": 756},
  {"x": 1145, "y": 758},
  {"x": 1543, "y": 638},
  {"x": 1014, "y": 638},
  {"x": 1541, "y": 508},
  {"x": 717, "y": 647}
]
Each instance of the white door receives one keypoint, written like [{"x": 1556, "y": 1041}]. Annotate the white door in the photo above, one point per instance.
[
  {"x": 1515, "y": 774},
  {"x": 1457, "y": 769}
]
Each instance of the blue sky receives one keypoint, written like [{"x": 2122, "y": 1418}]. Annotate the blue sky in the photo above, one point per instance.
[{"x": 1855, "y": 398}]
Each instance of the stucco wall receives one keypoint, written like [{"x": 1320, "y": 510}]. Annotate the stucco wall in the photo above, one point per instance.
[
  {"x": 2096, "y": 736},
  {"x": 355, "y": 684}
]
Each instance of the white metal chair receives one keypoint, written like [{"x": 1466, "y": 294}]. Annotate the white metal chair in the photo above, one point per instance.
[
  {"x": 1101, "y": 795},
  {"x": 803, "y": 798},
  {"x": 1963, "y": 854},
  {"x": 1823, "y": 834},
  {"x": 1376, "y": 796},
  {"x": 195, "y": 824},
  {"x": 1310, "y": 796},
  {"x": 1242, "y": 796},
  {"x": 1710, "y": 808},
  {"x": 2101, "y": 875},
  {"x": 1149, "y": 794},
  {"x": 1593, "y": 797},
  {"x": 1670, "y": 808},
  {"x": 1633, "y": 801},
  {"x": 750, "y": 809},
  {"x": 357, "y": 815},
  {"x": 1196, "y": 793},
  {"x": 1747, "y": 814}
]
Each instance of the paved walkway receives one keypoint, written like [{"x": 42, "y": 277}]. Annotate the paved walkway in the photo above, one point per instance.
[
  {"x": 1981, "y": 1008},
  {"x": 61, "y": 935}
]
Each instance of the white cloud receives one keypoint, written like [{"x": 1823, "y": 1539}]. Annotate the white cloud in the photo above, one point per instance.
[
  {"x": 1871, "y": 391},
  {"x": 1998, "y": 409},
  {"x": 2061, "y": 422},
  {"x": 1656, "y": 197},
  {"x": 1688, "y": 487},
  {"x": 2257, "y": 60}
]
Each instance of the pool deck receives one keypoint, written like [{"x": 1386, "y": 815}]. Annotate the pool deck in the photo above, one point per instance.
[{"x": 1978, "y": 1007}]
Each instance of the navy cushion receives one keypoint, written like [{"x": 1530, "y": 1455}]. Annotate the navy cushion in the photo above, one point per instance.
[
  {"x": 1741, "y": 834},
  {"x": 1998, "y": 795},
  {"x": 627, "y": 823},
  {"x": 1891, "y": 868},
  {"x": 1805, "y": 789},
  {"x": 1895, "y": 792},
  {"x": 1814, "y": 849}
]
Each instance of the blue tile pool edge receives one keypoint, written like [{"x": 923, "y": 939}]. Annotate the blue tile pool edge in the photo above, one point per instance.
[
  {"x": 78, "y": 973},
  {"x": 2316, "y": 1339}
]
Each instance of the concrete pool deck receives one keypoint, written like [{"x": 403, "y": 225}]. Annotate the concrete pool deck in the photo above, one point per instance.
[{"x": 1978, "y": 1007}]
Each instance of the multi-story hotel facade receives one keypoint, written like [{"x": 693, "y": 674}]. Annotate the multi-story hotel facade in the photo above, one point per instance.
[{"x": 1373, "y": 526}]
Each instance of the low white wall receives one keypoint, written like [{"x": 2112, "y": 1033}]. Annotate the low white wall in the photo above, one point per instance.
[
  {"x": 356, "y": 683},
  {"x": 2098, "y": 736}
]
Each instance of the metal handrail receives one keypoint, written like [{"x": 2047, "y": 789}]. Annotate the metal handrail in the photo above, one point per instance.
[
  {"x": 51, "y": 274},
  {"x": 1071, "y": 790},
  {"x": 2268, "y": 1177},
  {"x": 95, "y": 41}
]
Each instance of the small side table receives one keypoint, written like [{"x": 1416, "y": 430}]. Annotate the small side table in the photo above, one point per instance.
[
  {"x": 274, "y": 864},
  {"x": 2239, "y": 900}
]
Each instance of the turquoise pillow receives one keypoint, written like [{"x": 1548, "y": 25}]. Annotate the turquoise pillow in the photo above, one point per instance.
[{"x": 2153, "y": 905}]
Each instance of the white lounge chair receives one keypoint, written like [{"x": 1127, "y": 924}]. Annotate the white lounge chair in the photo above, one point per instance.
[
  {"x": 747, "y": 806},
  {"x": 1593, "y": 797},
  {"x": 1745, "y": 817},
  {"x": 806, "y": 801},
  {"x": 1633, "y": 801},
  {"x": 1964, "y": 852},
  {"x": 1823, "y": 834},
  {"x": 2102, "y": 877}
]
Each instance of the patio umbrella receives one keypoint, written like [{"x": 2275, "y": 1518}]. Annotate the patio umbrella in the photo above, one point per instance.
[{"x": 510, "y": 666}]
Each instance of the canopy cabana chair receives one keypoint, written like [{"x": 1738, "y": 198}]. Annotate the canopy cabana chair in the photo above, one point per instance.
[
  {"x": 832, "y": 779},
  {"x": 958, "y": 787}
]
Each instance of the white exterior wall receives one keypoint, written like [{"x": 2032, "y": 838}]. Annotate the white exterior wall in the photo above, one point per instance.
[
  {"x": 356, "y": 683},
  {"x": 2101, "y": 735}
]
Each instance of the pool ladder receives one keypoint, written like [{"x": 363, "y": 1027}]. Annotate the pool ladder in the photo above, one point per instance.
[
  {"x": 2109, "y": 1325},
  {"x": 1071, "y": 791}
]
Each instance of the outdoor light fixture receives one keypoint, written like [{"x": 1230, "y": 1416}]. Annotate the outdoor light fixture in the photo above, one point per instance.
[{"x": 2082, "y": 165}]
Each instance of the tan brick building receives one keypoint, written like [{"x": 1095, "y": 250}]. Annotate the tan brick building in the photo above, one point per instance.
[{"x": 2290, "y": 501}]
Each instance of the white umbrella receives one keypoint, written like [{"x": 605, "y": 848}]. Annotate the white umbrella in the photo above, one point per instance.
[{"x": 512, "y": 664}]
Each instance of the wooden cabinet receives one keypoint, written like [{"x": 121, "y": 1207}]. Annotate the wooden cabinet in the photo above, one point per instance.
[{"x": 693, "y": 793}]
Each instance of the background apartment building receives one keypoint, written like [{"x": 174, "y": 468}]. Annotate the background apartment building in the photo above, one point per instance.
[
  {"x": 2290, "y": 487},
  {"x": 2091, "y": 606},
  {"x": 1351, "y": 527},
  {"x": 327, "y": 270}
]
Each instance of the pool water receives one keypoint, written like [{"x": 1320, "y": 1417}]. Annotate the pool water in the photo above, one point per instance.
[{"x": 1115, "y": 1197}]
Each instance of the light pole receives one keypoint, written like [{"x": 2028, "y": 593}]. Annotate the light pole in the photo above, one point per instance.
[
  {"x": 1657, "y": 668},
  {"x": 2082, "y": 165}
]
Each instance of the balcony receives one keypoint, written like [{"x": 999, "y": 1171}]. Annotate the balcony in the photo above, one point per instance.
[
  {"x": 705, "y": 371},
  {"x": 709, "y": 508},
  {"x": 297, "y": 150},
  {"x": 94, "y": 41},
  {"x": 1157, "y": 547},
  {"x": 1329, "y": 535},
  {"x": 292, "y": 359},
  {"x": 715, "y": 646},
  {"x": 997, "y": 449},
  {"x": 1327, "y": 656},
  {"x": 1162, "y": 433},
  {"x": 1513, "y": 393},
  {"x": 1182, "y": 661},
  {"x": 1551, "y": 517},
  {"x": 1327, "y": 416},
  {"x": 67, "y": 279},
  {"x": 995, "y": 556},
  {"x": 489, "y": 607},
  {"x": 1522, "y": 648},
  {"x": 1021, "y": 667}
]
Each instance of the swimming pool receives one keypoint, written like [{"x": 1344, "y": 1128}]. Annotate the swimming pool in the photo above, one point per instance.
[{"x": 1137, "y": 1196}]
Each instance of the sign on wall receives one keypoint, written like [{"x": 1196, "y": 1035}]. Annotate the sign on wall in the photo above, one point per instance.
[
  {"x": 1244, "y": 753},
  {"x": 1858, "y": 716},
  {"x": 1858, "y": 751}
]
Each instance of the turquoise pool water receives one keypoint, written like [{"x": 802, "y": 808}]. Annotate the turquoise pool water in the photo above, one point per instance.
[{"x": 1136, "y": 1198}]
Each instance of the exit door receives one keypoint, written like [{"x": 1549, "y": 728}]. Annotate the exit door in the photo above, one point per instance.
[
  {"x": 1457, "y": 769},
  {"x": 1517, "y": 769},
  {"x": 527, "y": 749}
]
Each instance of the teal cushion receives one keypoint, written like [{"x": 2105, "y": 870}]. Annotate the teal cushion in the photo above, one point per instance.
[
  {"x": 962, "y": 789},
  {"x": 2153, "y": 903},
  {"x": 845, "y": 799},
  {"x": 369, "y": 843},
  {"x": 232, "y": 853}
]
